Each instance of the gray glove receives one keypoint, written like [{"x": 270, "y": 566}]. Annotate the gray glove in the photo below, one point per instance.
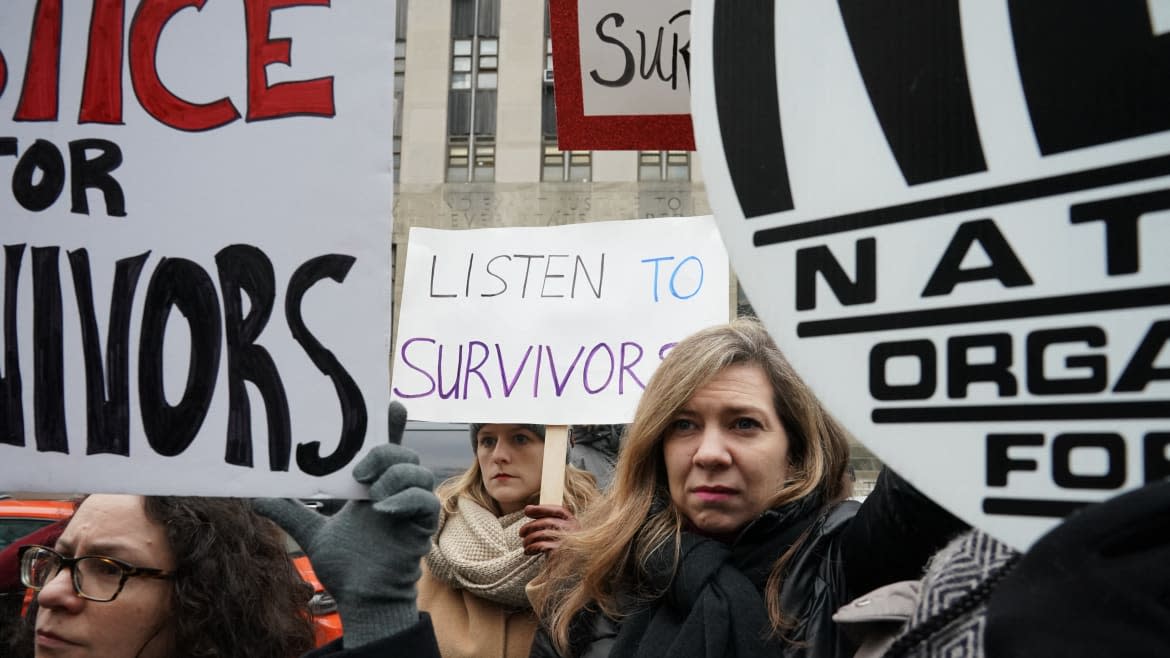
[{"x": 367, "y": 554}]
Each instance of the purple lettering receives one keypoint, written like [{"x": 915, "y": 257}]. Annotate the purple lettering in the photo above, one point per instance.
[
  {"x": 559, "y": 384},
  {"x": 588, "y": 360},
  {"x": 475, "y": 369},
  {"x": 511, "y": 384},
  {"x": 628, "y": 367},
  {"x": 406, "y": 345},
  {"x": 454, "y": 390}
]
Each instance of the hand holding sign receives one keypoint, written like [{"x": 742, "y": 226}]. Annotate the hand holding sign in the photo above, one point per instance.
[
  {"x": 367, "y": 554},
  {"x": 550, "y": 523}
]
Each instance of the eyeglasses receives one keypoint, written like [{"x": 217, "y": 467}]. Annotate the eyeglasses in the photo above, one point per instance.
[{"x": 95, "y": 577}]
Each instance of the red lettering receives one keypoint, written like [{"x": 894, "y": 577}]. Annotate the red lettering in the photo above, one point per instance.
[
  {"x": 38, "y": 98},
  {"x": 304, "y": 97},
  {"x": 3, "y": 74},
  {"x": 101, "y": 97},
  {"x": 145, "y": 30}
]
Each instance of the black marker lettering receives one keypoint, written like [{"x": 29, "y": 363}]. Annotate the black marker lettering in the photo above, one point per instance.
[
  {"x": 245, "y": 269},
  {"x": 107, "y": 389},
  {"x": 11, "y": 394},
  {"x": 628, "y": 69},
  {"x": 353, "y": 405},
  {"x": 85, "y": 173},
  {"x": 48, "y": 355},
  {"x": 178, "y": 284}
]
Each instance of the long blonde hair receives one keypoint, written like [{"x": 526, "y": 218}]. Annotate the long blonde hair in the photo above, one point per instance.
[
  {"x": 580, "y": 490},
  {"x": 608, "y": 555}
]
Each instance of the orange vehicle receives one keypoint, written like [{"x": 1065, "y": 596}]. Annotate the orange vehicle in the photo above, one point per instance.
[
  {"x": 21, "y": 517},
  {"x": 326, "y": 621}
]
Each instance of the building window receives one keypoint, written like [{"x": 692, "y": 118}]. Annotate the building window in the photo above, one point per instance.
[
  {"x": 557, "y": 165},
  {"x": 471, "y": 106},
  {"x": 399, "y": 82},
  {"x": 664, "y": 165}
]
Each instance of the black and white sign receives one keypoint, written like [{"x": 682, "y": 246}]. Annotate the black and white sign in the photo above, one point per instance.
[{"x": 953, "y": 217}]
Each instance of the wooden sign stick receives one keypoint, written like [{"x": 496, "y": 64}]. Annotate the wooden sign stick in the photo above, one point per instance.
[{"x": 552, "y": 474}]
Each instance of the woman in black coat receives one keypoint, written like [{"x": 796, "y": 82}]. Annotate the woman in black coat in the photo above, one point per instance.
[{"x": 726, "y": 531}]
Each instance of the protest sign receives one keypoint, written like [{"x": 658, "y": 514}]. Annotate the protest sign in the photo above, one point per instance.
[
  {"x": 555, "y": 325},
  {"x": 952, "y": 217},
  {"x": 622, "y": 74},
  {"x": 196, "y": 244}
]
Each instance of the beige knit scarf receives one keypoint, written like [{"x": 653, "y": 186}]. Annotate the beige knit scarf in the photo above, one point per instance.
[{"x": 482, "y": 553}]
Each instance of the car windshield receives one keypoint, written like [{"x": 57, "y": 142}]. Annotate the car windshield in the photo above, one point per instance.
[
  {"x": 13, "y": 529},
  {"x": 445, "y": 448}
]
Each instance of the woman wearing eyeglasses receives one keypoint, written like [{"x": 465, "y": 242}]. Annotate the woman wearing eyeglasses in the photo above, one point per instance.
[
  {"x": 153, "y": 576},
  {"x": 178, "y": 577}
]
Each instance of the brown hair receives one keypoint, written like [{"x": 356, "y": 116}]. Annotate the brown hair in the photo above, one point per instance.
[
  {"x": 236, "y": 592},
  {"x": 608, "y": 556}
]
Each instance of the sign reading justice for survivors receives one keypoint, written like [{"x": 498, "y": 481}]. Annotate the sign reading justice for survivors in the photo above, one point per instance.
[
  {"x": 954, "y": 216},
  {"x": 555, "y": 325},
  {"x": 196, "y": 233}
]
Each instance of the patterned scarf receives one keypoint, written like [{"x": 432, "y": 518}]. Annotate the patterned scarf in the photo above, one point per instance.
[
  {"x": 951, "y": 614},
  {"x": 482, "y": 553}
]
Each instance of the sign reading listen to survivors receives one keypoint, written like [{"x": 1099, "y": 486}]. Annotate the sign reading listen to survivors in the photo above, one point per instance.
[
  {"x": 555, "y": 325},
  {"x": 196, "y": 229},
  {"x": 953, "y": 216}
]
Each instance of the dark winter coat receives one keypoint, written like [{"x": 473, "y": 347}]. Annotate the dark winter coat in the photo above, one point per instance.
[{"x": 714, "y": 605}]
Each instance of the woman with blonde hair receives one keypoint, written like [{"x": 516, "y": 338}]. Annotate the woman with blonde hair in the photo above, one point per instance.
[
  {"x": 474, "y": 577},
  {"x": 726, "y": 531}
]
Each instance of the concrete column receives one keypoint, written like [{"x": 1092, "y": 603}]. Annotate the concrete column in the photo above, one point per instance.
[
  {"x": 424, "y": 112},
  {"x": 518, "y": 139}
]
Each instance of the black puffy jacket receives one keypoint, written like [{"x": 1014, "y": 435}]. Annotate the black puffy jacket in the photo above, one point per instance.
[{"x": 850, "y": 549}]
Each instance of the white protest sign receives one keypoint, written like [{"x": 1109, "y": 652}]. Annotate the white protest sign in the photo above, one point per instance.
[
  {"x": 622, "y": 74},
  {"x": 556, "y": 325},
  {"x": 635, "y": 57},
  {"x": 196, "y": 242},
  {"x": 952, "y": 216}
]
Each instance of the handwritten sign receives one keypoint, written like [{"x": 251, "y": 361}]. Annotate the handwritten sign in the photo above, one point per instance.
[
  {"x": 955, "y": 222},
  {"x": 622, "y": 74},
  {"x": 196, "y": 244},
  {"x": 555, "y": 325}
]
